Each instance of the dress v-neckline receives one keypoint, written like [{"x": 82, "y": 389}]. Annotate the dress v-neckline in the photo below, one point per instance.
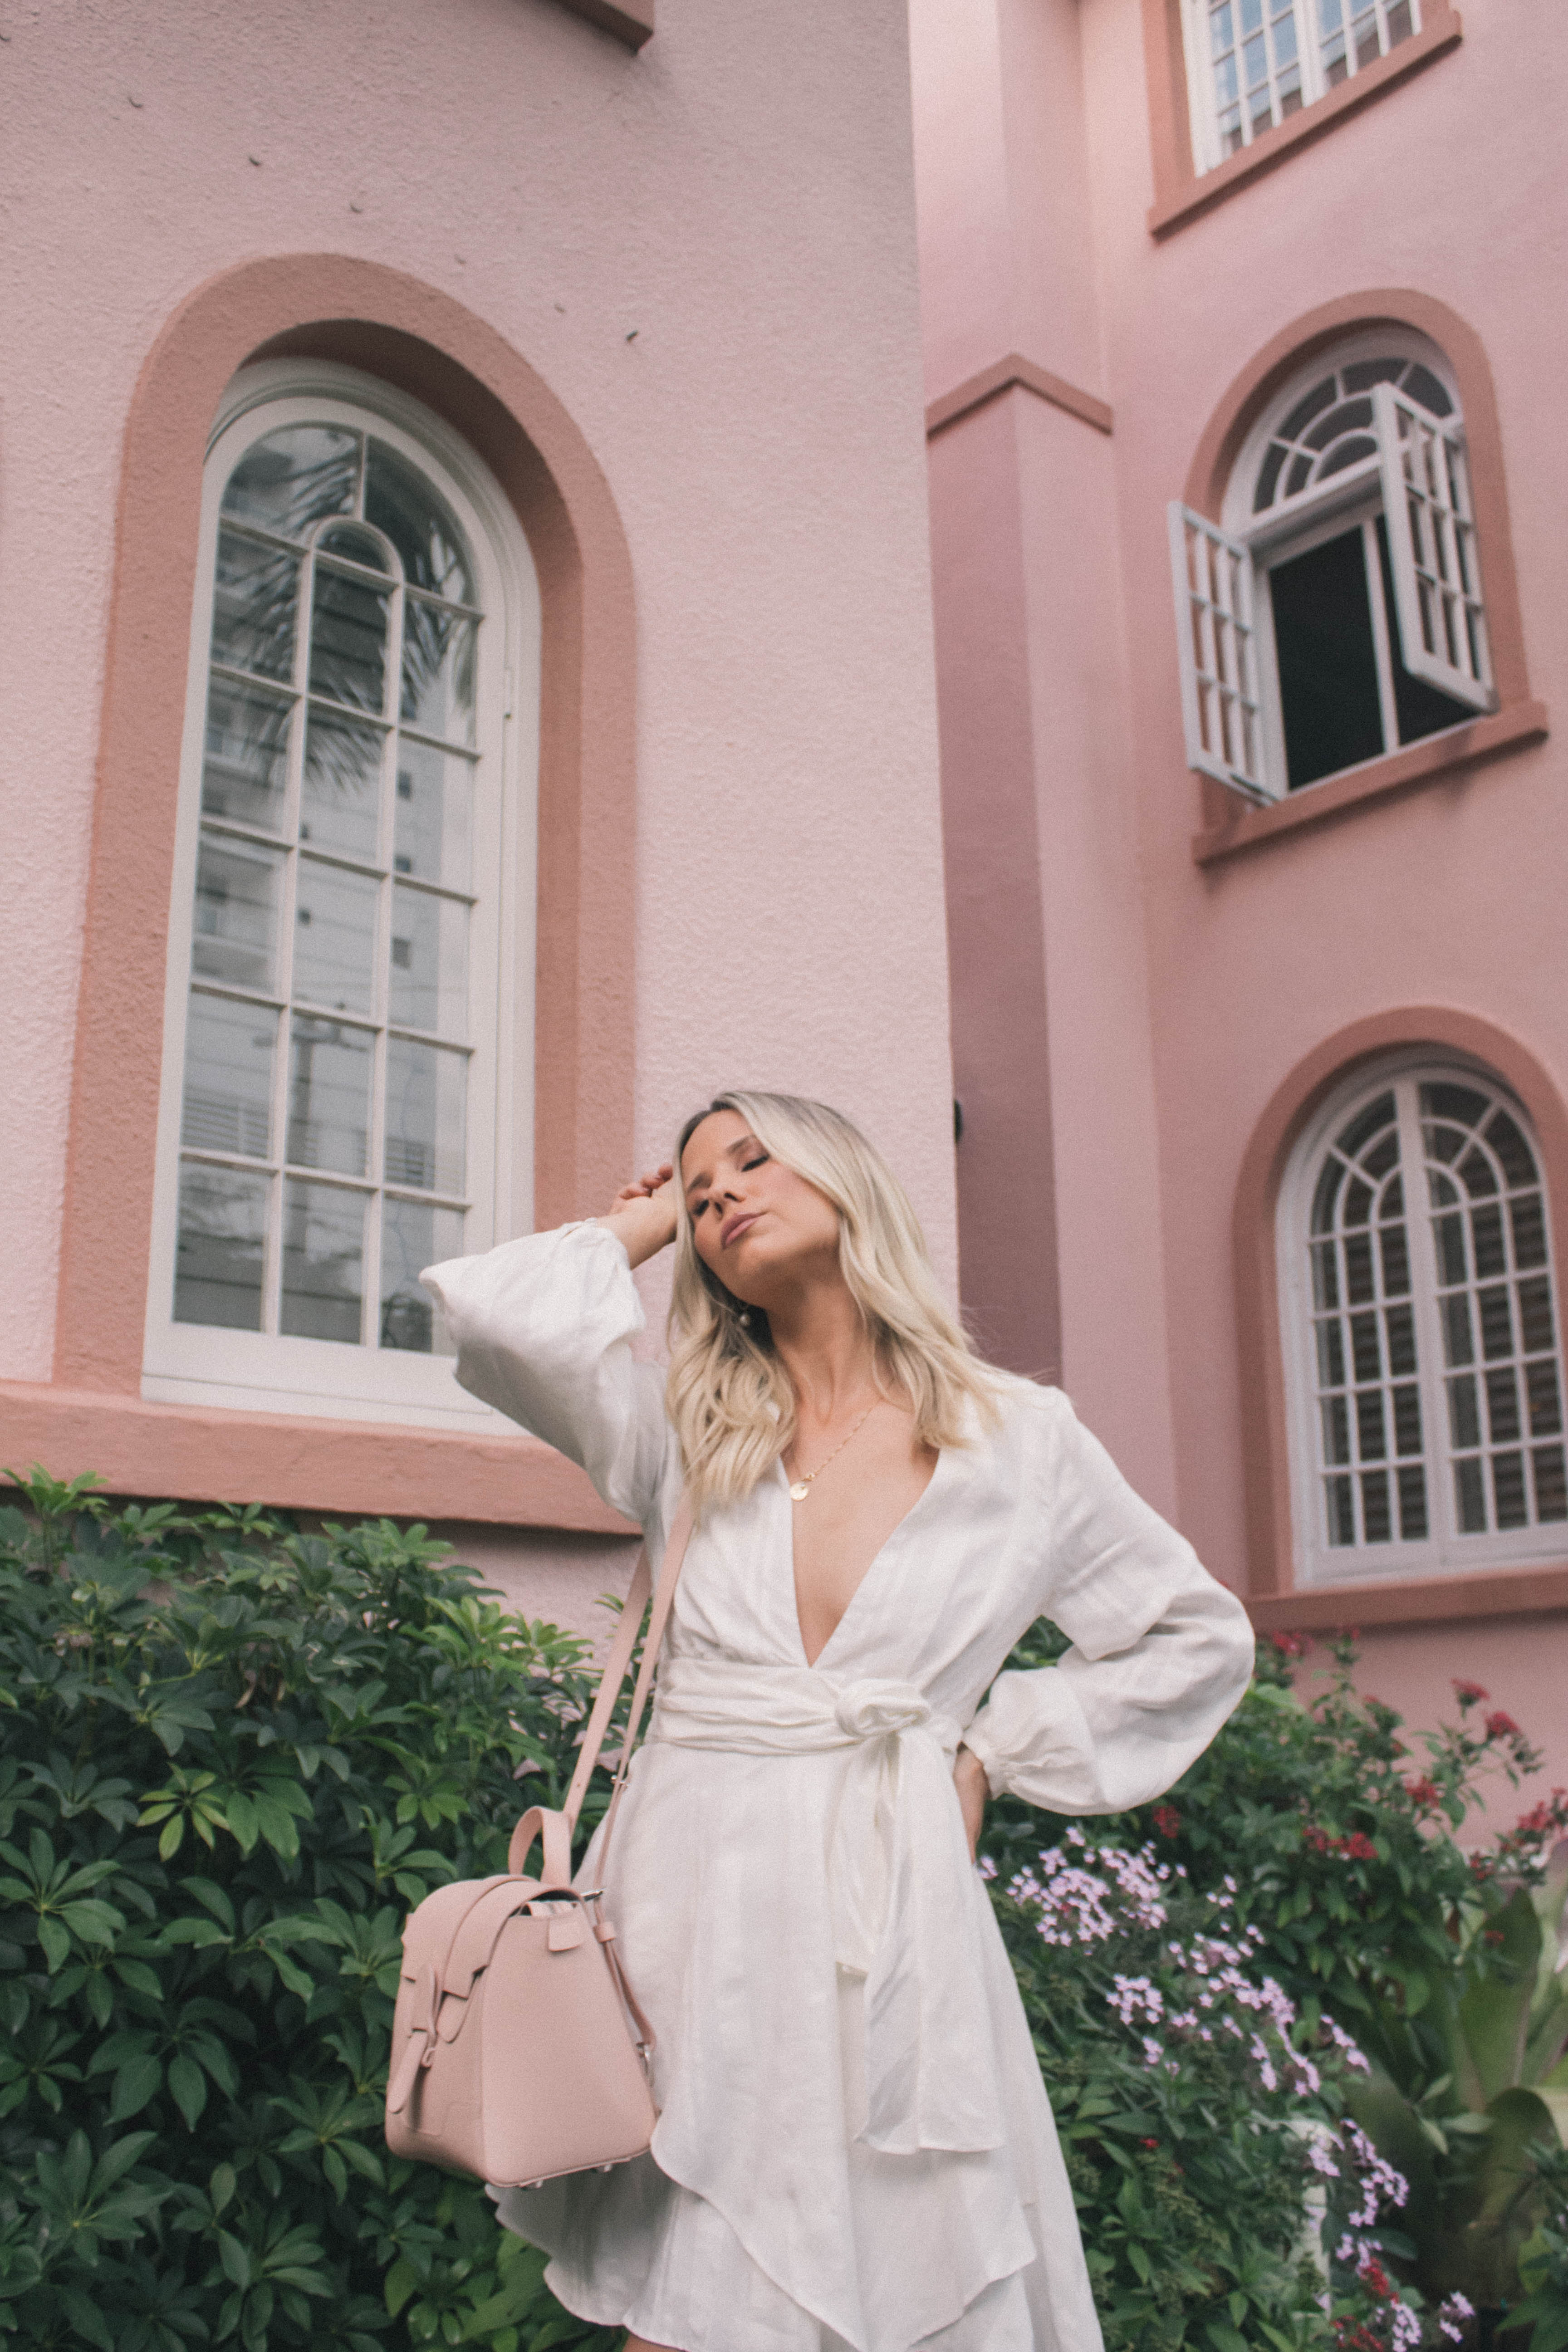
[{"x": 872, "y": 1565}]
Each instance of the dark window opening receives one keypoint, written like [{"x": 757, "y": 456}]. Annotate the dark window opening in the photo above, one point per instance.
[
  {"x": 1328, "y": 662},
  {"x": 1328, "y": 667}
]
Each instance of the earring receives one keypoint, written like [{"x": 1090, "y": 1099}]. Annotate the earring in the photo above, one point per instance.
[{"x": 744, "y": 1318}]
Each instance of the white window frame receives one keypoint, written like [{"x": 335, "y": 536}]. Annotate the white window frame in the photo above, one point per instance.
[
  {"x": 1444, "y": 1551},
  {"x": 1203, "y": 103},
  {"x": 1418, "y": 480},
  {"x": 262, "y": 1371}
]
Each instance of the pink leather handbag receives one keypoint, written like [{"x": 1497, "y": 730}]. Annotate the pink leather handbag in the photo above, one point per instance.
[{"x": 519, "y": 2051}]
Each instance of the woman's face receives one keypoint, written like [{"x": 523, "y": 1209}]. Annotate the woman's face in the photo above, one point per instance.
[{"x": 763, "y": 1228}]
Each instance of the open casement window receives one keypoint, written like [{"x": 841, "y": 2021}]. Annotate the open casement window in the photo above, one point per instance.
[
  {"x": 1252, "y": 64},
  {"x": 352, "y": 909},
  {"x": 1422, "y": 1342},
  {"x": 1337, "y": 614}
]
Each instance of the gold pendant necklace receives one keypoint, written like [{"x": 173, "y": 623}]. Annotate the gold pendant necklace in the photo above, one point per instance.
[{"x": 800, "y": 1489}]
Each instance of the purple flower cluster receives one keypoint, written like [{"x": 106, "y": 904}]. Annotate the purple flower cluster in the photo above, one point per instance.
[{"x": 1200, "y": 1983}]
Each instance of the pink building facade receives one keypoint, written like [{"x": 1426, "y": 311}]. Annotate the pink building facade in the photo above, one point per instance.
[
  {"x": 471, "y": 566},
  {"x": 464, "y": 568},
  {"x": 1239, "y": 387}
]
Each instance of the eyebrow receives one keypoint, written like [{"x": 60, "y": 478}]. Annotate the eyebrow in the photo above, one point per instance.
[{"x": 731, "y": 1151}]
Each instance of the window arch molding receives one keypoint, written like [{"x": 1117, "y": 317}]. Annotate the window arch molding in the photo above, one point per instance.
[
  {"x": 1434, "y": 1033},
  {"x": 420, "y": 340},
  {"x": 1228, "y": 825}
]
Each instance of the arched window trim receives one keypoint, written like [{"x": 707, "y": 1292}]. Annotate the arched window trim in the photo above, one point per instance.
[
  {"x": 193, "y": 1364},
  {"x": 1414, "y": 486},
  {"x": 1444, "y": 1554},
  {"x": 1231, "y": 827}
]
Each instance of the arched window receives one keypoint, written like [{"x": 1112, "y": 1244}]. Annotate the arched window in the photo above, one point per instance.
[
  {"x": 1422, "y": 1347},
  {"x": 1336, "y": 613},
  {"x": 351, "y": 913}
]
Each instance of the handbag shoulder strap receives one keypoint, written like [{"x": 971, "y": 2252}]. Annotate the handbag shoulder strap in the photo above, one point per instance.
[{"x": 537, "y": 1820}]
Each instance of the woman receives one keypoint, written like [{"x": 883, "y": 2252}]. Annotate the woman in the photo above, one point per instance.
[{"x": 854, "y": 2146}]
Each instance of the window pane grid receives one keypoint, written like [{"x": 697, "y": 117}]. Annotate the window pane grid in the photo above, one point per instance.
[
  {"x": 1442, "y": 535},
  {"x": 1255, "y": 63},
  {"x": 1372, "y": 1451},
  {"x": 1256, "y": 72},
  {"x": 1353, "y": 34},
  {"x": 1436, "y": 1375},
  {"x": 323, "y": 1134},
  {"x": 1214, "y": 585},
  {"x": 1496, "y": 1314}
]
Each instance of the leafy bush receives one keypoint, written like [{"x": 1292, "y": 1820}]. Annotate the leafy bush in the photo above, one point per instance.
[
  {"x": 231, "y": 1756},
  {"x": 1444, "y": 1966},
  {"x": 1226, "y": 2196}
]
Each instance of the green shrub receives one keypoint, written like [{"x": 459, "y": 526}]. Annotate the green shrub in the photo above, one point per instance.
[
  {"x": 1442, "y": 1964},
  {"x": 231, "y": 1757}
]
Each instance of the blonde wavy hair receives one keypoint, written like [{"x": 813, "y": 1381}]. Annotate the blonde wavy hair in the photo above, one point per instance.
[{"x": 729, "y": 1396}]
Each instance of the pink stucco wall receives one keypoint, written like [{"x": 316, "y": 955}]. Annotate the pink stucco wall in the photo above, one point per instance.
[
  {"x": 1178, "y": 998},
  {"x": 707, "y": 251}
]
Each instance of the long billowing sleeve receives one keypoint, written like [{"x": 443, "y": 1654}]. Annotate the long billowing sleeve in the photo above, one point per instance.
[
  {"x": 544, "y": 1328},
  {"x": 1160, "y": 1653}
]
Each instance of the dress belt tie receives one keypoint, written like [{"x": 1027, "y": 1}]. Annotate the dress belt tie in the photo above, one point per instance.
[{"x": 900, "y": 1884}]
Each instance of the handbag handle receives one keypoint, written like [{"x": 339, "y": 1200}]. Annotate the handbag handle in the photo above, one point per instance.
[{"x": 554, "y": 1829}]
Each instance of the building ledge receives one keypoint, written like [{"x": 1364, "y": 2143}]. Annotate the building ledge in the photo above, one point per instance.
[
  {"x": 1442, "y": 33},
  {"x": 361, "y": 1469},
  {"x": 1006, "y": 375},
  {"x": 1412, "y": 1601},
  {"x": 630, "y": 21},
  {"x": 1473, "y": 745}
]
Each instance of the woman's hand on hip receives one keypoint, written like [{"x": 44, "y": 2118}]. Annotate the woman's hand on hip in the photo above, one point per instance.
[
  {"x": 973, "y": 1788},
  {"x": 642, "y": 1215}
]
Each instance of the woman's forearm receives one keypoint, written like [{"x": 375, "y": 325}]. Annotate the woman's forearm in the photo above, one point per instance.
[{"x": 644, "y": 1225}]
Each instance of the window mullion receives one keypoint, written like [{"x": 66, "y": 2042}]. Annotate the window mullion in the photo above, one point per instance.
[
  {"x": 1430, "y": 1355},
  {"x": 272, "y": 1284}
]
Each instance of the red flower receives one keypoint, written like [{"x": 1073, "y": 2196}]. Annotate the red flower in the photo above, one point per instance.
[
  {"x": 1424, "y": 1791},
  {"x": 1502, "y": 1726},
  {"x": 1167, "y": 1820},
  {"x": 1318, "y": 1840},
  {"x": 1374, "y": 2278},
  {"x": 1358, "y": 1847},
  {"x": 1290, "y": 1646},
  {"x": 1148, "y": 2143},
  {"x": 1467, "y": 1694}
]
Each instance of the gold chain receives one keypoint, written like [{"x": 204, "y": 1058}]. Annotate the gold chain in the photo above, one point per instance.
[{"x": 800, "y": 1489}]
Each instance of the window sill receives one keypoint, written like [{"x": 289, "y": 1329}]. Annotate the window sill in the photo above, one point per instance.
[
  {"x": 1474, "y": 745},
  {"x": 1412, "y": 1601},
  {"x": 208, "y": 1455},
  {"x": 1441, "y": 32}
]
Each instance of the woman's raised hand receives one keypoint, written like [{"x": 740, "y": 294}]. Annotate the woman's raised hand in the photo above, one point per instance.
[{"x": 642, "y": 1215}]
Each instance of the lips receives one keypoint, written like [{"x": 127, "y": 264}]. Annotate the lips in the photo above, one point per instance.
[{"x": 737, "y": 1226}]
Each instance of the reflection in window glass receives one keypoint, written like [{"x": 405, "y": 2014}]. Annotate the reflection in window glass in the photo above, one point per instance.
[
  {"x": 229, "y": 1047},
  {"x": 330, "y": 1074},
  {"x": 415, "y": 1236},
  {"x": 324, "y": 1261},
  {"x": 220, "y": 1248},
  {"x": 339, "y": 772}
]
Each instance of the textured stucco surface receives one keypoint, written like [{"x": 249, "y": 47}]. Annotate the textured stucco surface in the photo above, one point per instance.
[
  {"x": 708, "y": 253},
  {"x": 1180, "y": 998}
]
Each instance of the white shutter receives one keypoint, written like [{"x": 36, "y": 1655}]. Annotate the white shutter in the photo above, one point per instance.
[
  {"x": 1432, "y": 547},
  {"x": 1218, "y": 645}
]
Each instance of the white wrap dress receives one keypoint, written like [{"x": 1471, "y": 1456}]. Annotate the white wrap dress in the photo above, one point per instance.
[{"x": 854, "y": 2147}]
